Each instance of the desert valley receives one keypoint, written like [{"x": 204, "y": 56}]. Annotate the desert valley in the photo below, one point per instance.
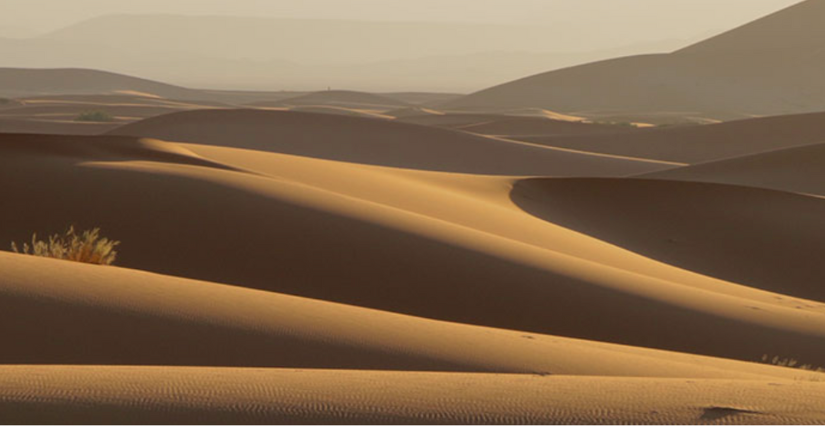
[{"x": 633, "y": 240}]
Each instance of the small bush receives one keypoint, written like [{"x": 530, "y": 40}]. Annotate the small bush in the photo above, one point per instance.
[
  {"x": 790, "y": 363},
  {"x": 87, "y": 247},
  {"x": 96, "y": 116},
  {"x": 618, "y": 124}
]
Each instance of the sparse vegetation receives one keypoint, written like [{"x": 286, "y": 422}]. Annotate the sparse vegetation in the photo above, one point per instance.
[
  {"x": 5, "y": 101},
  {"x": 790, "y": 363},
  {"x": 95, "y": 116},
  {"x": 86, "y": 247},
  {"x": 618, "y": 123}
]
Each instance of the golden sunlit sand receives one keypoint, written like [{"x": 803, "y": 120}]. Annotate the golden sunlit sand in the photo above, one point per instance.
[{"x": 518, "y": 255}]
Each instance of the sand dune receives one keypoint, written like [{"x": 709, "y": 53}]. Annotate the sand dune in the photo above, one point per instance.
[
  {"x": 696, "y": 144},
  {"x": 70, "y": 112},
  {"x": 341, "y": 98},
  {"x": 49, "y": 394},
  {"x": 447, "y": 119},
  {"x": 119, "y": 98},
  {"x": 734, "y": 233},
  {"x": 68, "y": 313},
  {"x": 432, "y": 261},
  {"x": 376, "y": 142},
  {"x": 30, "y": 81},
  {"x": 767, "y": 67},
  {"x": 532, "y": 126},
  {"x": 522, "y": 122},
  {"x": 793, "y": 169},
  {"x": 527, "y": 254},
  {"x": 56, "y": 127},
  {"x": 412, "y": 112},
  {"x": 349, "y": 112}
]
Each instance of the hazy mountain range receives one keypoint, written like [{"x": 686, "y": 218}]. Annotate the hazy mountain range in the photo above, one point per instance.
[
  {"x": 276, "y": 54},
  {"x": 774, "y": 65}
]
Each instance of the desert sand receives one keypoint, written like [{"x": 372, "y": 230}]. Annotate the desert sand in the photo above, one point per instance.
[
  {"x": 351, "y": 257},
  {"x": 797, "y": 169},
  {"x": 378, "y": 252}
]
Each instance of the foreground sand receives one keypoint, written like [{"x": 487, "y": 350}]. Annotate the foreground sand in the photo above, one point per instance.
[
  {"x": 70, "y": 313},
  {"x": 67, "y": 394}
]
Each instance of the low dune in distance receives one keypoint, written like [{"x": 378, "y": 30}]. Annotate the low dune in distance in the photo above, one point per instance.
[
  {"x": 699, "y": 144},
  {"x": 792, "y": 169},
  {"x": 342, "y": 98},
  {"x": 376, "y": 142},
  {"x": 55, "y": 127}
]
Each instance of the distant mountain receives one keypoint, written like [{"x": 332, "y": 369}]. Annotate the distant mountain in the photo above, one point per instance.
[
  {"x": 309, "y": 55},
  {"x": 28, "y": 82},
  {"x": 18, "y": 82},
  {"x": 774, "y": 65}
]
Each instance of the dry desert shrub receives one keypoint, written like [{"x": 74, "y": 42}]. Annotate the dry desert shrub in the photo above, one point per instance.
[
  {"x": 94, "y": 116},
  {"x": 790, "y": 363},
  {"x": 86, "y": 247}
]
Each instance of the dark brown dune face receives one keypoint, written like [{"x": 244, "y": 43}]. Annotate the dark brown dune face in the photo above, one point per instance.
[
  {"x": 792, "y": 169},
  {"x": 699, "y": 144},
  {"x": 375, "y": 142},
  {"x": 760, "y": 238}
]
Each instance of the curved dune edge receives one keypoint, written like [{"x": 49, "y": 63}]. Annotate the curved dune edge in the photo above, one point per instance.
[
  {"x": 796, "y": 169},
  {"x": 739, "y": 234},
  {"x": 70, "y": 394},
  {"x": 377, "y": 142},
  {"x": 58, "y": 312},
  {"x": 700, "y": 144},
  {"x": 387, "y": 257}
]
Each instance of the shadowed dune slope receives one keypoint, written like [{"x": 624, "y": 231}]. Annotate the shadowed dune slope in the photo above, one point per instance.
[
  {"x": 771, "y": 66},
  {"x": 376, "y": 142},
  {"x": 32, "y": 81},
  {"x": 78, "y": 148},
  {"x": 526, "y": 126},
  {"x": 335, "y": 110},
  {"x": 61, "y": 127},
  {"x": 121, "y": 98},
  {"x": 448, "y": 120},
  {"x": 799, "y": 169},
  {"x": 696, "y": 144},
  {"x": 26, "y": 82},
  {"x": 493, "y": 124},
  {"x": 343, "y": 98},
  {"x": 46, "y": 394},
  {"x": 61, "y": 312},
  {"x": 761, "y": 238},
  {"x": 177, "y": 212},
  {"x": 69, "y": 112}
]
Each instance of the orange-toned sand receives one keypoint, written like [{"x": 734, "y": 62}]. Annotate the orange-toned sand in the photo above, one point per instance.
[
  {"x": 359, "y": 270},
  {"x": 208, "y": 395}
]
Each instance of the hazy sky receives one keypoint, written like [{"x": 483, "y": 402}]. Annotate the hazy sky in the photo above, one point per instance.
[{"x": 658, "y": 18}]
